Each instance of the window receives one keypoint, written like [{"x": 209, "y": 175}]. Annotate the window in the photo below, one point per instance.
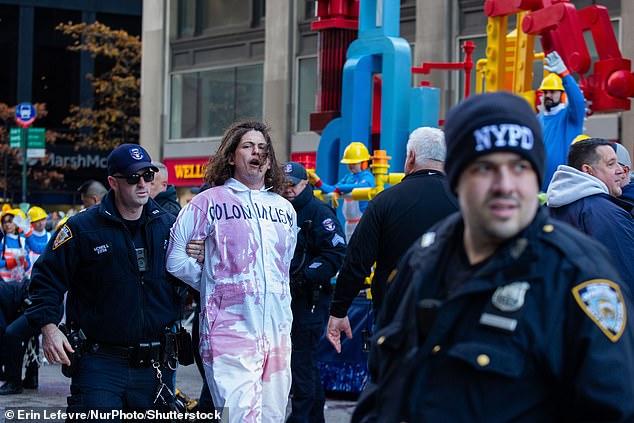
[
  {"x": 310, "y": 11},
  {"x": 219, "y": 13},
  {"x": 204, "y": 103},
  {"x": 186, "y": 18},
  {"x": 183, "y": 106},
  {"x": 197, "y": 17},
  {"x": 306, "y": 90}
]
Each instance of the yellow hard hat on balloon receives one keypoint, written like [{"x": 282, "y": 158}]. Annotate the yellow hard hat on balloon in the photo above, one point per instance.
[{"x": 355, "y": 152}]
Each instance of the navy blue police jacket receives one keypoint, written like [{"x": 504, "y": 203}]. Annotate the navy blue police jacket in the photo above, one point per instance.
[
  {"x": 540, "y": 333},
  {"x": 93, "y": 257},
  {"x": 321, "y": 244}
]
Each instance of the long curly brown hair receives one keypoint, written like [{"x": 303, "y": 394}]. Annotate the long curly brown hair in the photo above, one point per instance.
[{"x": 219, "y": 169}]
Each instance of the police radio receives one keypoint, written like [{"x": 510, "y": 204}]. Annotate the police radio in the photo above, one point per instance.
[{"x": 141, "y": 259}]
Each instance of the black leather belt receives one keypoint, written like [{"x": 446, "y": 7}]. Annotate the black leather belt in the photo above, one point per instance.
[
  {"x": 141, "y": 355},
  {"x": 116, "y": 350}
]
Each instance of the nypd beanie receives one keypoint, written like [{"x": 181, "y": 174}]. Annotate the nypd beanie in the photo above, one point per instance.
[{"x": 491, "y": 123}]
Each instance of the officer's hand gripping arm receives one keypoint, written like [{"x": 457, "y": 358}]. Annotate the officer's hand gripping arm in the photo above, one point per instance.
[{"x": 196, "y": 249}]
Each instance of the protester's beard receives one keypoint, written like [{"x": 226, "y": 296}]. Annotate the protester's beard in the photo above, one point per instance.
[{"x": 549, "y": 103}]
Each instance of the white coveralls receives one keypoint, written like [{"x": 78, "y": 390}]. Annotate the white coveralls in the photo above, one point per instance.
[{"x": 246, "y": 317}]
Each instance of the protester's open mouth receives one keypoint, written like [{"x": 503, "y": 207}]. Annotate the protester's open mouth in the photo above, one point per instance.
[{"x": 255, "y": 162}]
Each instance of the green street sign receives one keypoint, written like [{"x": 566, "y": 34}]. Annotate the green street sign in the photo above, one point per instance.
[
  {"x": 36, "y": 141},
  {"x": 14, "y": 137},
  {"x": 36, "y": 138}
]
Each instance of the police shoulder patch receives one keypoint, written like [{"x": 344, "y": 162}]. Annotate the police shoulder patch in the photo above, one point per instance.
[
  {"x": 602, "y": 301},
  {"x": 328, "y": 225},
  {"x": 63, "y": 235}
]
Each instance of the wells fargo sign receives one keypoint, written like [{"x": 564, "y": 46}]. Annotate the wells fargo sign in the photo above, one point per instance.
[{"x": 188, "y": 171}]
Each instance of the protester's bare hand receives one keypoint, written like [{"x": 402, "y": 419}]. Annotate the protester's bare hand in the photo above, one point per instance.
[
  {"x": 196, "y": 249},
  {"x": 55, "y": 344},
  {"x": 335, "y": 327}
]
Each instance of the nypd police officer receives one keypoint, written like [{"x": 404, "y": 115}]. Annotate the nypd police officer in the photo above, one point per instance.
[
  {"x": 321, "y": 246},
  {"x": 500, "y": 313},
  {"x": 111, "y": 261}
]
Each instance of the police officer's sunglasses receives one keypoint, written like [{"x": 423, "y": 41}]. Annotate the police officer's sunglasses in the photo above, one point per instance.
[{"x": 148, "y": 176}]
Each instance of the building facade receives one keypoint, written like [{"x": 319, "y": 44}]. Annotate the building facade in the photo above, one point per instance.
[
  {"x": 207, "y": 63},
  {"x": 38, "y": 68}
]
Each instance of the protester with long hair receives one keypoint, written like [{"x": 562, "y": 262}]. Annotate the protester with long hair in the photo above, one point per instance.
[{"x": 249, "y": 234}]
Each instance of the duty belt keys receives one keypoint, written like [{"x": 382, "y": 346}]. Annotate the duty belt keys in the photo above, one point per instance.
[{"x": 164, "y": 395}]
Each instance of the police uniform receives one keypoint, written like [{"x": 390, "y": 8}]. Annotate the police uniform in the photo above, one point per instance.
[
  {"x": 320, "y": 249},
  {"x": 119, "y": 297},
  {"x": 536, "y": 331},
  {"x": 536, "y": 334}
]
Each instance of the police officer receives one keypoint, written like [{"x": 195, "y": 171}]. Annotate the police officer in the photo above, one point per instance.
[
  {"x": 111, "y": 260},
  {"x": 500, "y": 313},
  {"x": 319, "y": 253}
]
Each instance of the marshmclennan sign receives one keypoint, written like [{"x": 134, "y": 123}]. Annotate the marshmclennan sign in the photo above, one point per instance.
[{"x": 78, "y": 160}]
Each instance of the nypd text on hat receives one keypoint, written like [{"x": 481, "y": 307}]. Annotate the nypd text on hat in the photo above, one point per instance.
[{"x": 504, "y": 135}]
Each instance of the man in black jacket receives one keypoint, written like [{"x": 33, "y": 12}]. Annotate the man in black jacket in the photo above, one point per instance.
[
  {"x": 390, "y": 224},
  {"x": 321, "y": 246},
  {"x": 111, "y": 261},
  {"x": 500, "y": 313}
]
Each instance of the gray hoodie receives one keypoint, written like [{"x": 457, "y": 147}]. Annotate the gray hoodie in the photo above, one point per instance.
[{"x": 569, "y": 185}]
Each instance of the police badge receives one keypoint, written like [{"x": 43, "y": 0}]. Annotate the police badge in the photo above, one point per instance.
[
  {"x": 136, "y": 153},
  {"x": 63, "y": 235},
  {"x": 602, "y": 301},
  {"x": 509, "y": 298},
  {"x": 328, "y": 225}
]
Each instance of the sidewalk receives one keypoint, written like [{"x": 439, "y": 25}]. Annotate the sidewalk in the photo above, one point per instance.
[{"x": 54, "y": 389}]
